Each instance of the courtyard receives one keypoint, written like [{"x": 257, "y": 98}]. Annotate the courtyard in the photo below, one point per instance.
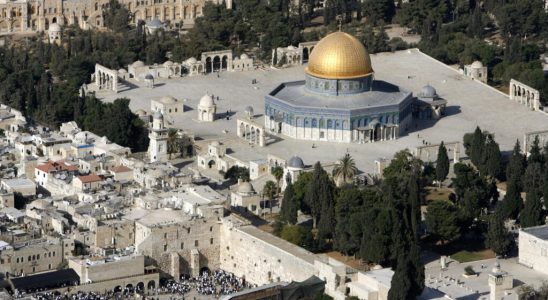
[{"x": 470, "y": 104}]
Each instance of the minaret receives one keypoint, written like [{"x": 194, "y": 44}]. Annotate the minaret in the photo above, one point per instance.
[
  {"x": 157, "y": 147},
  {"x": 499, "y": 281}
]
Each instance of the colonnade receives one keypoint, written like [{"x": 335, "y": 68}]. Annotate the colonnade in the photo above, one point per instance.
[
  {"x": 250, "y": 132},
  {"x": 106, "y": 79},
  {"x": 524, "y": 94}
]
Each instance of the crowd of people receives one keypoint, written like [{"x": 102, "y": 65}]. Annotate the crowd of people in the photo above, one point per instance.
[
  {"x": 215, "y": 284},
  {"x": 117, "y": 295}
]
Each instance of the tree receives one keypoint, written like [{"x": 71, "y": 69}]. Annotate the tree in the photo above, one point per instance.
[
  {"x": 516, "y": 167},
  {"x": 116, "y": 16},
  {"x": 172, "y": 142},
  {"x": 236, "y": 172},
  {"x": 532, "y": 214},
  {"x": 344, "y": 170},
  {"x": 512, "y": 202},
  {"x": 535, "y": 155},
  {"x": 498, "y": 238},
  {"x": 293, "y": 234},
  {"x": 442, "y": 220},
  {"x": 278, "y": 173},
  {"x": 269, "y": 191},
  {"x": 493, "y": 158},
  {"x": 290, "y": 206},
  {"x": 315, "y": 192},
  {"x": 408, "y": 279},
  {"x": 442, "y": 164}
]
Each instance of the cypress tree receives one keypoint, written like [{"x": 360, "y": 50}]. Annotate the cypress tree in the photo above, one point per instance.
[
  {"x": 400, "y": 286},
  {"x": 516, "y": 167},
  {"x": 535, "y": 155},
  {"x": 512, "y": 203},
  {"x": 532, "y": 213},
  {"x": 498, "y": 238},
  {"x": 288, "y": 211},
  {"x": 493, "y": 160},
  {"x": 477, "y": 148},
  {"x": 442, "y": 164},
  {"x": 312, "y": 195}
]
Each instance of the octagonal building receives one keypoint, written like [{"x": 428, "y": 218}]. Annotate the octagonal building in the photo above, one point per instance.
[{"x": 339, "y": 100}]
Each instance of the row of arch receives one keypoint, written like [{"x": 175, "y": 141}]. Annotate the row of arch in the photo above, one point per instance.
[
  {"x": 251, "y": 133},
  {"x": 106, "y": 80},
  {"x": 217, "y": 63},
  {"x": 140, "y": 286},
  {"x": 524, "y": 95}
]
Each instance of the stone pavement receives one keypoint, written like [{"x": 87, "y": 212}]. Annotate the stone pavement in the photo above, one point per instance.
[{"x": 470, "y": 104}]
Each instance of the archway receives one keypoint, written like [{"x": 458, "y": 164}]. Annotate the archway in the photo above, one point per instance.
[
  {"x": 151, "y": 284},
  {"x": 216, "y": 63},
  {"x": 208, "y": 65},
  {"x": 224, "y": 64},
  {"x": 117, "y": 289},
  {"x": 140, "y": 286},
  {"x": 377, "y": 132},
  {"x": 205, "y": 270},
  {"x": 211, "y": 163},
  {"x": 305, "y": 54}
]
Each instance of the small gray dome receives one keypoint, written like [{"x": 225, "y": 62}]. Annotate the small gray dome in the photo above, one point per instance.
[
  {"x": 296, "y": 162},
  {"x": 244, "y": 56},
  {"x": 168, "y": 100},
  {"x": 157, "y": 115},
  {"x": 154, "y": 23},
  {"x": 54, "y": 28},
  {"x": 477, "y": 64},
  {"x": 191, "y": 60},
  {"x": 140, "y": 112},
  {"x": 245, "y": 188},
  {"x": 207, "y": 101},
  {"x": 428, "y": 92},
  {"x": 248, "y": 110},
  {"x": 138, "y": 64}
]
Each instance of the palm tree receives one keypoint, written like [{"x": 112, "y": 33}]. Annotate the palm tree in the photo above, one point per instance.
[
  {"x": 345, "y": 169},
  {"x": 278, "y": 173},
  {"x": 269, "y": 190},
  {"x": 172, "y": 141}
]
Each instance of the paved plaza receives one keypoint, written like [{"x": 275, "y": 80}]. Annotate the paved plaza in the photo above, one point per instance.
[
  {"x": 470, "y": 103},
  {"x": 452, "y": 282}
]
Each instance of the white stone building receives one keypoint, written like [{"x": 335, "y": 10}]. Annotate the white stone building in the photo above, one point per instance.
[
  {"x": 476, "y": 71},
  {"x": 157, "y": 148},
  {"x": 207, "y": 109},
  {"x": 168, "y": 106},
  {"x": 533, "y": 248}
]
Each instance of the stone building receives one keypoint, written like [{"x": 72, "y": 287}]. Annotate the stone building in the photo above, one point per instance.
[
  {"x": 39, "y": 15},
  {"x": 245, "y": 196},
  {"x": 35, "y": 256},
  {"x": 157, "y": 148},
  {"x": 207, "y": 109},
  {"x": 168, "y": 106},
  {"x": 476, "y": 71},
  {"x": 429, "y": 105},
  {"x": 533, "y": 248},
  {"x": 339, "y": 100},
  {"x": 179, "y": 242}
]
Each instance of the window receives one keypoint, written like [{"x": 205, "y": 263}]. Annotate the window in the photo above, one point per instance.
[
  {"x": 196, "y": 243},
  {"x": 211, "y": 241},
  {"x": 210, "y": 228},
  {"x": 182, "y": 246},
  {"x": 165, "y": 247}
]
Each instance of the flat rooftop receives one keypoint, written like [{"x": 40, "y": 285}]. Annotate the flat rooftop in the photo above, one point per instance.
[
  {"x": 470, "y": 104},
  {"x": 540, "y": 232},
  {"x": 383, "y": 94}
]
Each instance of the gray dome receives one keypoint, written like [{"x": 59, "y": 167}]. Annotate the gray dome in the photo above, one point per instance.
[
  {"x": 140, "y": 112},
  {"x": 54, "y": 28},
  {"x": 207, "y": 101},
  {"x": 138, "y": 64},
  {"x": 157, "y": 115},
  {"x": 245, "y": 188},
  {"x": 428, "y": 92},
  {"x": 249, "y": 110},
  {"x": 477, "y": 64},
  {"x": 296, "y": 162},
  {"x": 154, "y": 23},
  {"x": 168, "y": 100}
]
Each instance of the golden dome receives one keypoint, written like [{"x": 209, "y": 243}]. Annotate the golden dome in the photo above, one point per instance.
[{"x": 339, "y": 55}]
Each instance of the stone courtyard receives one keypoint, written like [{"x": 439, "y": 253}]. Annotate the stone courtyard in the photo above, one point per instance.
[{"x": 470, "y": 104}]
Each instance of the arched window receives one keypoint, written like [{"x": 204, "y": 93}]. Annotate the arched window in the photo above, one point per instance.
[
  {"x": 329, "y": 124},
  {"x": 314, "y": 123}
]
